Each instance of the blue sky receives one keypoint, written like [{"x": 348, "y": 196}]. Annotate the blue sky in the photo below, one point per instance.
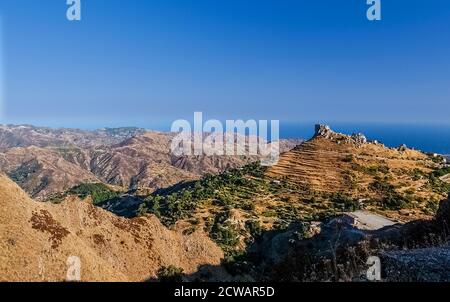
[{"x": 148, "y": 62}]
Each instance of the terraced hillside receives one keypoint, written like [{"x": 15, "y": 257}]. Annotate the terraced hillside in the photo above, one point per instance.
[
  {"x": 333, "y": 162},
  {"x": 330, "y": 174}
]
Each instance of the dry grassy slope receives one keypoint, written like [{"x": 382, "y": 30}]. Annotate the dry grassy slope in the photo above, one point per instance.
[
  {"x": 37, "y": 239},
  {"x": 324, "y": 164},
  {"x": 328, "y": 165},
  {"x": 41, "y": 171},
  {"x": 446, "y": 178}
]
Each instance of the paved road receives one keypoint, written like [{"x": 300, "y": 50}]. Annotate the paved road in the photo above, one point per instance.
[{"x": 370, "y": 221}]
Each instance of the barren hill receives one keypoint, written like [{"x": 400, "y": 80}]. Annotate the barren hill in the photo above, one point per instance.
[
  {"x": 37, "y": 240},
  {"x": 26, "y": 135},
  {"x": 44, "y": 161}
]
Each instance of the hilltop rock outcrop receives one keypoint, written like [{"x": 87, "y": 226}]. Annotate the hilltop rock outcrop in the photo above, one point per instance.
[
  {"x": 325, "y": 131},
  {"x": 332, "y": 162}
]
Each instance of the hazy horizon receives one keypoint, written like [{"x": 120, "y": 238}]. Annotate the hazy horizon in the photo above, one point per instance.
[{"x": 424, "y": 137}]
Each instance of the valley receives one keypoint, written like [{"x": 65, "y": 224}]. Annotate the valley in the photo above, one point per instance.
[{"x": 120, "y": 201}]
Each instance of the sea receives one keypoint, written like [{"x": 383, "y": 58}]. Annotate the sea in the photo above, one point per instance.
[
  {"x": 433, "y": 138},
  {"x": 427, "y": 138}
]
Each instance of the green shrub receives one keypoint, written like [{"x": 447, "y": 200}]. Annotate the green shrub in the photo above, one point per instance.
[
  {"x": 344, "y": 202},
  {"x": 254, "y": 228},
  {"x": 437, "y": 185},
  {"x": 395, "y": 201},
  {"x": 381, "y": 185},
  {"x": 441, "y": 172},
  {"x": 224, "y": 233},
  {"x": 170, "y": 274},
  {"x": 231, "y": 189}
]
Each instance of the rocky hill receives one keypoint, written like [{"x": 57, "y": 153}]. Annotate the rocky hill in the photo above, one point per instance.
[
  {"x": 37, "y": 240},
  {"x": 329, "y": 175},
  {"x": 368, "y": 171},
  {"x": 335, "y": 198},
  {"x": 46, "y": 161},
  {"x": 12, "y": 136}
]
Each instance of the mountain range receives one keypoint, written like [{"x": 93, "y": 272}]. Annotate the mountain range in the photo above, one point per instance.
[
  {"x": 130, "y": 211},
  {"x": 46, "y": 161}
]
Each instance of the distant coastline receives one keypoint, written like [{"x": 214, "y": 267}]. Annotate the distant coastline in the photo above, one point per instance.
[
  {"x": 427, "y": 138},
  {"x": 424, "y": 137}
]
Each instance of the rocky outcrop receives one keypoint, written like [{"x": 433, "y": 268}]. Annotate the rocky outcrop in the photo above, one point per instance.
[
  {"x": 359, "y": 138},
  {"x": 326, "y": 132},
  {"x": 331, "y": 162},
  {"x": 402, "y": 148}
]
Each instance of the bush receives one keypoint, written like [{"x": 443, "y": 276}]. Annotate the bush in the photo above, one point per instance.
[
  {"x": 254, "y": 228},
  {"x": 230, "y": 189},
  {"x": 395, "y": 201},
  {"x": 224, "y": 233},
  {"x": 441, "y": 172},
  {"x": 344, "y": 203},
  {"x": 437, "y": 185},
  {"x": 170, "y": 274},
  {"x": 382, "y": 186}
]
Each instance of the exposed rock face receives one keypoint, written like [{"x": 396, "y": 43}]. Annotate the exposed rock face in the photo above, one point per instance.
[
  {"x": 402, "y": 148},
  {"x": 36, "y": 240},
  {"x": 359, "y": 138},
  {"x": 325, "y": 131}
]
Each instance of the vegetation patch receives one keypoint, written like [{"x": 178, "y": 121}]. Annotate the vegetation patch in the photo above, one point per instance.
[
  {"x": 232, "y": 189},
  {"x": 99, "y": 192},
  {"x": 436, "y": 184},
  {"x": 170, "y": 274},
  {"x": 224, "y": 232},
  {"x": 44, "y": 222}
]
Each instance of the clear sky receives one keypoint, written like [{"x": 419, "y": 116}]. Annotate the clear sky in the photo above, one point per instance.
[{"x": 147, "y": 62}]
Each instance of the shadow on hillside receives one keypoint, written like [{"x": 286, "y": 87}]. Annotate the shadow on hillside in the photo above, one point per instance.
[
  {"x": 124, "y": 206},
  {"x": 338, "y": 252}
]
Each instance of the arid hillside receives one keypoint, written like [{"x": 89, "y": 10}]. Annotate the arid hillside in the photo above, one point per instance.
[
  {"x": 37, "y": 240},
  {"x": 190, "y": 211},
  {"x": 46, "y": 161},
  {"x": 327, "y": 176},
  {"x": 368, "y": 171}
]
